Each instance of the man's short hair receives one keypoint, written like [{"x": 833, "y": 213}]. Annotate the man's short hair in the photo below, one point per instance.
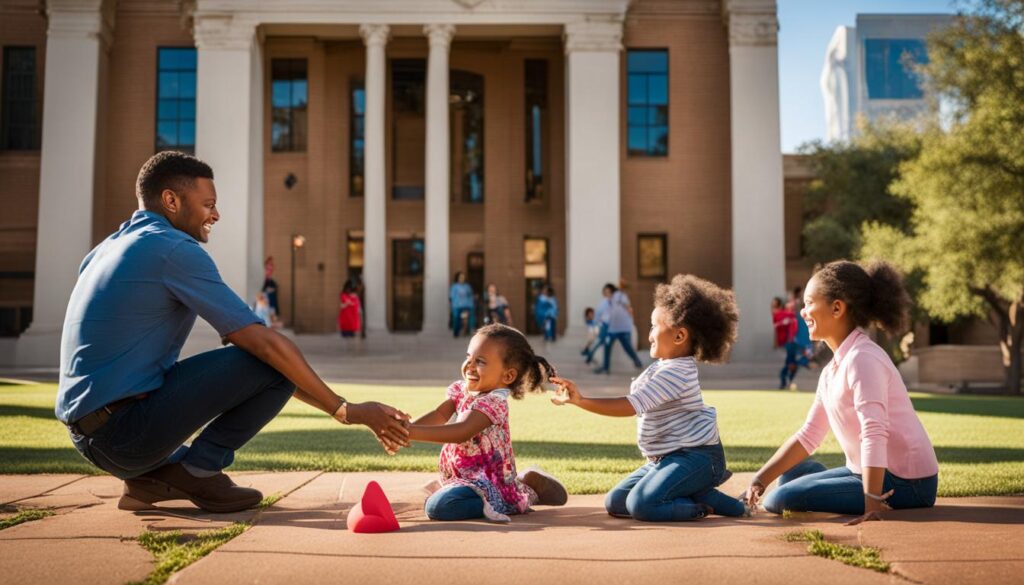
[{"x": 169, "y": 169}]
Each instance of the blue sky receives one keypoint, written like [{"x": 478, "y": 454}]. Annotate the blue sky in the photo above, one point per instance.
[{"x": 805, "y": 28}]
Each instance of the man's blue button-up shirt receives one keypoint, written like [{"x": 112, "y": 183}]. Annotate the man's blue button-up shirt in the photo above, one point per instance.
[{"x": 135, "y": 302}]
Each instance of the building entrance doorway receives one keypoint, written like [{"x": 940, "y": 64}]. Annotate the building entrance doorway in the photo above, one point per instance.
[
  {"x": 535, "y": 262},
  {"x": 407, "y": 284}
]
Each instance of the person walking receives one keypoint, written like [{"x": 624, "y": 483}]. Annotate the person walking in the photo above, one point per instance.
[
  {"x": 620, "y": 328},
  {"x": 786, "y": 328},
  {"x": 460, "y": 296},
  {"x": 601, "y": 317}
]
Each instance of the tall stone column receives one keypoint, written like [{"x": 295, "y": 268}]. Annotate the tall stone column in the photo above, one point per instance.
[
  {"x": 229, "y": 137},
  {"x": 592, "y": 163},
  {"x": 375, "y": 36},
  {"x": 438, "y": 153},
  {"x": 77, "y": 43},
  {"x": 758, "y": 242}
]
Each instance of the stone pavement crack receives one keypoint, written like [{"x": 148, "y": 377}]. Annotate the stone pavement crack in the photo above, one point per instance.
[
  {"x": 27, "y": 515},
  {"x": 49, "y": 491},
  {"x": 175, "y": 550},
  {"x": 865, "y": 557}
]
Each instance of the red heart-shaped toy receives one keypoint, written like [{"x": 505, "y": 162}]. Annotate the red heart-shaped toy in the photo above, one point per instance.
[{"x": 373, "y": 512}]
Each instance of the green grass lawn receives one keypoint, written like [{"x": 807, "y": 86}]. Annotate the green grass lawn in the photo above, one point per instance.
[{"x": 979, "y": 440}]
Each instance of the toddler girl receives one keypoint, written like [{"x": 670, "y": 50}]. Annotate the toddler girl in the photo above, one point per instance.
[
  {"x": 692, "y": 320},
  {"x": 478, "y": 469}
]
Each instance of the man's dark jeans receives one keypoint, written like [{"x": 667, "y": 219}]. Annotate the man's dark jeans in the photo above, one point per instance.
[{"x": 230, "y": 387}]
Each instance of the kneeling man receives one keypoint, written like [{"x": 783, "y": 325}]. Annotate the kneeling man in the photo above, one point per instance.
[{"x": 128, "y": 402}]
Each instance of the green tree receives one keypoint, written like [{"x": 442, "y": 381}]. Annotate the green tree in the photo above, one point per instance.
[
  {"x": 852, "y": 187},
  {"x": 966, "y": 239}
]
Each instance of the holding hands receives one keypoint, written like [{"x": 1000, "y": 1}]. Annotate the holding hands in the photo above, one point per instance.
[
  {"x": 567, "y": 392},
  {"x": 753, "y": 493},
  {"x": 389, "y": 425}
]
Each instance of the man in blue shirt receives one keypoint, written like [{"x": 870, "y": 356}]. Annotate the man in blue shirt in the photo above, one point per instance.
[{"x": 128, "y": 402}]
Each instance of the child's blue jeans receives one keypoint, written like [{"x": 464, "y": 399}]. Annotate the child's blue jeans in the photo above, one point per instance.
[
  {"x": 810, "y": 487},
  {"x": 675, "y": 488},
  {"x": 456, "y": 502}
]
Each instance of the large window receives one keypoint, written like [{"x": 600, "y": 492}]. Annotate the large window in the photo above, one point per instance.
[
  {"x": 889, "y": 68},
  {"x": 409, "y": 128},
  {"x": 536, "y": 82},
  {"x": 289, "y": 98},
  {"x": 176, "y": 99},
  {"x": 647, "y": 99},
  {"x": 466, "y": 103},
  {"x": 357, "y": 135},
  {"x": 652, "y": 261},
  {"x": 19, "y": 129}
]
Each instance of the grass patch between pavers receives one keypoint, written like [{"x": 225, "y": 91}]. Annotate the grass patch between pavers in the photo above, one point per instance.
[
  {"x": 269, "y": 501},
  {"x": 173, "y": 550},
  {"x": 865, "y": 557},
  {"x": 979, "y": 440},
  {"x": 23, "y": 516}
]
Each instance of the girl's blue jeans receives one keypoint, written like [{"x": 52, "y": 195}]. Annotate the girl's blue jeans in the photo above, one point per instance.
[
  {"x": 456, "y": 502},
  {"x": 810, "y": 487},
  {"x": 677, "y": 487}
]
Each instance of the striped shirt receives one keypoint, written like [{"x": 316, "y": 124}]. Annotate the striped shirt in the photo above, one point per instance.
[{"x": 671, "y": 414}]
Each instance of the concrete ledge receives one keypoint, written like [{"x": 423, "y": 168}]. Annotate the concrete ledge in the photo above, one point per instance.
[{"x": 959, "y": 364}]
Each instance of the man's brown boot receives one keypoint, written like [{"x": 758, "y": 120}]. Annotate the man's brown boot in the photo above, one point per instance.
[{"x": 173, "y": 482}]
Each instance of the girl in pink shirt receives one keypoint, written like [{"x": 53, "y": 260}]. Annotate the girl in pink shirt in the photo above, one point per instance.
[{"x": 890, "y": 462}]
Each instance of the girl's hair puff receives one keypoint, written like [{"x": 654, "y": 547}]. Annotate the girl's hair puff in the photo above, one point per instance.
[
  {"x": 874, "y": 294},
  {"x": 531, "y": 369},
  {"x": 707, "y": 311}
]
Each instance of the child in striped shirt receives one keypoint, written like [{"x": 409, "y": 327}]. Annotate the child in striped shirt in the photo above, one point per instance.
[{"x": 678, "y": 434}]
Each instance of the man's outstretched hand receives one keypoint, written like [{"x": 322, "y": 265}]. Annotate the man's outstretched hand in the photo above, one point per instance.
[{"x": 390, "y": 425}]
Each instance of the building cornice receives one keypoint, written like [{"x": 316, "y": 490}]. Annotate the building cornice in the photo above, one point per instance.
[
  {"x": 675, "y": 8},
  {"x": 417, "y": 12},
  {"x": 751, "y": 23}
]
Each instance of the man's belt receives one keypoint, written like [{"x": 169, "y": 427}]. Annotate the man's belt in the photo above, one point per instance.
[{"x": 94, "y": 421}]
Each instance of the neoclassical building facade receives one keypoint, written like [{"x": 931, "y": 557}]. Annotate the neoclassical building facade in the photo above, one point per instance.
[{"x": 567, "y": 142}]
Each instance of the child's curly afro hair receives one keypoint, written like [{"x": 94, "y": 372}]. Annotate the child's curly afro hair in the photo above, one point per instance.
[{"x": 707, "y": 311}]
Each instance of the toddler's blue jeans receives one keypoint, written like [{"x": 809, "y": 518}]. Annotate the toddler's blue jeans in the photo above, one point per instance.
[
  {"x": 674, "y": 488},
  {"x": 456, "y": 502}
]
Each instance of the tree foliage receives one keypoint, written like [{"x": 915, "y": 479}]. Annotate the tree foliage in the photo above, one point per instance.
[
  {"x": 852, "y": 187},
  {"x": 966, "y": 186}
]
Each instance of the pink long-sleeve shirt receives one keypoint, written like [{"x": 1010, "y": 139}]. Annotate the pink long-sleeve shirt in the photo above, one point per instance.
[{"x": 862, "y": 398}]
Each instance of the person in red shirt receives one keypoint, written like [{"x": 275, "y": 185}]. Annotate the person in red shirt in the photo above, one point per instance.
[
  {"x": 785, "y": 333},
  {"x": 349, "y": 311},
  {"x": 785, "y": 323}
]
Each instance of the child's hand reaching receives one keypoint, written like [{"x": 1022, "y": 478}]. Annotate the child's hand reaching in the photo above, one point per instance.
[{"x": 567, "y": 392}]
